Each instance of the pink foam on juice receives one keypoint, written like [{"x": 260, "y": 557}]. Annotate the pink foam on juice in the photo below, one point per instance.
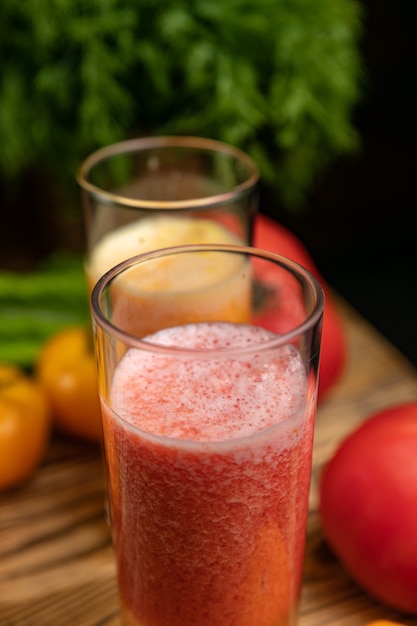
[{"x": 209, "y": 465}]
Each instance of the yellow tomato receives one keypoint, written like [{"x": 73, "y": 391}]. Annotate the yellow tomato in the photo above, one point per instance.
[
  {"x": 24, "y": 426},
  {"x": 66, "y": 370}
]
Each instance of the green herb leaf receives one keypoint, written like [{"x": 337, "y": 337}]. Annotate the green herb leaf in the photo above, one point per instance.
[{"x": 278, "y": 78}]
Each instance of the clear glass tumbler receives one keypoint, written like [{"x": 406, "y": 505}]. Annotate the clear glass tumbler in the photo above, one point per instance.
[
  {"x": 207, "y": 360},
  {"x": 147, "y": 193}
]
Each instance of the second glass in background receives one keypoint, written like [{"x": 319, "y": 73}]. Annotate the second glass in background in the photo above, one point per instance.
[{"x": 149, "y": 193}]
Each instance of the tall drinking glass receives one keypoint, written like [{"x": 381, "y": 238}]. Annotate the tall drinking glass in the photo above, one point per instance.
[
  {"x": 208, "y": 430},
  {"x": 148, "y": 193}
]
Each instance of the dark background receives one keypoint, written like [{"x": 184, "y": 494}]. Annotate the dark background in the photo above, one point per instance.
[{"x": 359, "y": 222}]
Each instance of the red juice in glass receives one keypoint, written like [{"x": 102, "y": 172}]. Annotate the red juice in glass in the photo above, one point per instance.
[{"x": 209, "y": 463}]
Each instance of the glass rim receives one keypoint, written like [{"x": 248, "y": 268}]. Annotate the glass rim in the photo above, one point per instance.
[
  {"x": 142, "y": 144},
  {"x": 135, "y": 342}
]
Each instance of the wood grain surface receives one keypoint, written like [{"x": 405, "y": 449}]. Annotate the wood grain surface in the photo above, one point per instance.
[{"x": 56, "y": 560}]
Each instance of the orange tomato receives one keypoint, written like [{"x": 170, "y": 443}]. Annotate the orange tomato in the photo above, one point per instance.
[
  {"x": 24, "y": 426},
  {"x": 66, "y": 370}
]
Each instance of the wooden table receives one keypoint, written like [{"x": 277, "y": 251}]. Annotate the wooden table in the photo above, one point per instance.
[{"x": 56, "y": 561}]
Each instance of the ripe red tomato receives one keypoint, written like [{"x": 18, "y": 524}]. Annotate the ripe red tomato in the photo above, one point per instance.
[
  {"x": 368, "y": 505},
  {"x": 270, "y": 235}
]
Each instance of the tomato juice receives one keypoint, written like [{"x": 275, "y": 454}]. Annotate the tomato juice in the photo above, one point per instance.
[{"x": 209, "y": 464}]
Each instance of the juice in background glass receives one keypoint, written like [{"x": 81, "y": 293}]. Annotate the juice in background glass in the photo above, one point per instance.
[
  {"x": 176, "y": 289},
  {"x": 151, "y": 233},
  {"x": 208, "y": 431}
]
